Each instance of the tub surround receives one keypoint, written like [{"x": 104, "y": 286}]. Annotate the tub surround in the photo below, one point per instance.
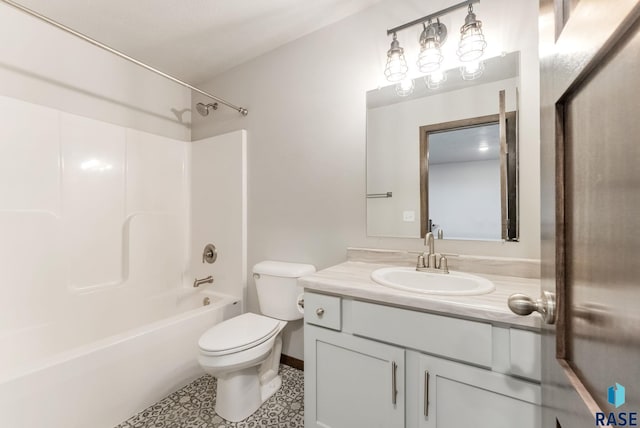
[
  {"x": 101, "y": 384},
  {"x": 353, "y": 279},
  {"x": 106, "y": 220}
]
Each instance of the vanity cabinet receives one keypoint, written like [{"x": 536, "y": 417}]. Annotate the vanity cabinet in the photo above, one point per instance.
[{"x": 373, "y": 365}]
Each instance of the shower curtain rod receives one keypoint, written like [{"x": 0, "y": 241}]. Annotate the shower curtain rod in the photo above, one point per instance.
[{"x": 243, "y": 111}]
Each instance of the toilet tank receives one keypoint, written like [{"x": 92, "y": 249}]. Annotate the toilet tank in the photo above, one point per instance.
[{"x": 278, "y": 289}]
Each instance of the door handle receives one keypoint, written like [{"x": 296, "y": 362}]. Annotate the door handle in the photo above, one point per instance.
[{"x": 522, "y": 304}]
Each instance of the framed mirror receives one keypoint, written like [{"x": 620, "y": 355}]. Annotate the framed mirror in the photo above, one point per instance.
[{"x": 419, "y": 157}]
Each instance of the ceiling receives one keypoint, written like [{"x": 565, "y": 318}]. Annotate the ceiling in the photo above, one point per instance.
[
  {"x": 477, "y": 143},
  {"x": 195, "y": 40}
]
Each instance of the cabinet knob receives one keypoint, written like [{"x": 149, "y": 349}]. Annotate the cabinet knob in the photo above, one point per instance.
[{"x": 320, "y": 312}]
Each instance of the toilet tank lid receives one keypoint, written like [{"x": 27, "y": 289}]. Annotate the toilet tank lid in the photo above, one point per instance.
[{"x": 284, "y": 269}]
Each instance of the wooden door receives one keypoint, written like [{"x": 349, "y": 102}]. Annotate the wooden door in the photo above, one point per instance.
[{"x": 590, "y": 187}]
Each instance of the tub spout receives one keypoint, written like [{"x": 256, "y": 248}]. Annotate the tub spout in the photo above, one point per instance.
[{"x": 198, "y": 282}]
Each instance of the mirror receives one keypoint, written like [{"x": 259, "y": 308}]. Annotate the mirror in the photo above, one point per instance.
[{"x": 437, "y": 159}]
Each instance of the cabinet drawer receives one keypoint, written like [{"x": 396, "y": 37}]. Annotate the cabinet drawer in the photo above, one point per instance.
[
  {"x": 524, "y": 354},
  {"x": 322, "y": 310},
  {"x": 462, "y": 340}
]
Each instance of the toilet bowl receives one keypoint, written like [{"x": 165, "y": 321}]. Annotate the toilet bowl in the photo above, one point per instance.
[{"x": 243, "y": 353}]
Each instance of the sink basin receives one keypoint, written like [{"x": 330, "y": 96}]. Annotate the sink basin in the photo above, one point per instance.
[{"x": 454, "y": 283}]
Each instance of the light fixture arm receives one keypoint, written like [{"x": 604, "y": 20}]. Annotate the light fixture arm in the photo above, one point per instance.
[{"x": 432, "y": 16}]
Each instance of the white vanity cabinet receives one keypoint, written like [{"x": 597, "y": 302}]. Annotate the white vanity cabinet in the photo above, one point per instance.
[
  {"x": 357, "y": 382},
  {"x": 453, "y": 395},
  {"x": 371, "y": 365}
]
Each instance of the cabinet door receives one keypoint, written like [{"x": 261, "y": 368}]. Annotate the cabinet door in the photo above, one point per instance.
[
  {"x": 454, "y": 395},
  {"x": 352, "y": 382}
]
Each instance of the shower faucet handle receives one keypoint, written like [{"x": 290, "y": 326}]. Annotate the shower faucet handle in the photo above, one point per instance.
[{"x": 209, "y": 254}]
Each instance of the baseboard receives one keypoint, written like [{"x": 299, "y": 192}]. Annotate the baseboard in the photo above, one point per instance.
[{"x": 292, "y": 362}]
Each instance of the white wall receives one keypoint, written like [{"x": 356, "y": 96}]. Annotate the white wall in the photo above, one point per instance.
[
  {"x": 219, "y": 211},
  {"x": 393, "y": 151},
  {"x": 44, "y": 65},
  {"x": 464, "y": 199},
  {"x": 307, "y": 139}
]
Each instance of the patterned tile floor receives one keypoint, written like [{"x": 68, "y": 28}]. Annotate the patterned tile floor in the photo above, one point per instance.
[{"x": 192, "y": 407}]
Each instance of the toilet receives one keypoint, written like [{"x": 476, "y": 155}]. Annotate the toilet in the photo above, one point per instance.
[{"x": 243, "y": 353}]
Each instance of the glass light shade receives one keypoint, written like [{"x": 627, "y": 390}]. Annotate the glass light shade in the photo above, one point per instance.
[
  {"x": 435, "y": 79},
  {"x": 472, "y": 70},
  {"x": 396, "y": 68},
  {"x": 430, "y": 57},
  {"x": 430, "y": 41},
  {"x": 405, "y": 87},
  {"x": 472, "y": 43}
]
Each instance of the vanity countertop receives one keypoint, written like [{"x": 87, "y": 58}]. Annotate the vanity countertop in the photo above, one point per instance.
[{"x": 353, "y": 279}]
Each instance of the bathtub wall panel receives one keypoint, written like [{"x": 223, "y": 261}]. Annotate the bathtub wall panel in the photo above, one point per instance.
[
  {"x": 31, "y": 277},
  {"x": 29, "y": 157},
  {"x": 93, "y": 228},
  {"x": 155, "y": 254},
  {"x": 219, "y": 210},
  {"x": 93, "y": 200},
  {"x": 156, "y": 168}
]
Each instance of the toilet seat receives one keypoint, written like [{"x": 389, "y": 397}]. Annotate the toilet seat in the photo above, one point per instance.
[{"x": 238, "y": 334}]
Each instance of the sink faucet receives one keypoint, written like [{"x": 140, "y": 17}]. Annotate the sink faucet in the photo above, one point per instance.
[{"x": 429, "y": 262}]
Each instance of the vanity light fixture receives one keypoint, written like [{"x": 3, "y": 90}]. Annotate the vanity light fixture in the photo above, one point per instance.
[
  {"x": 434, "y": 34},
  {"x": 472, "y": 43},
  {"x": 396, "y": 68}
]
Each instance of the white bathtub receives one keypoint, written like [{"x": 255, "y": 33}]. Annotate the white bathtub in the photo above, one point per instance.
[{"x": 102, "y": 383}]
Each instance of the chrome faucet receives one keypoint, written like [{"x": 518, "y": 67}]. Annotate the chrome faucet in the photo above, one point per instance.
[
  {"x": 429, "y": 262},
  {"x": 199, "y": 282}
]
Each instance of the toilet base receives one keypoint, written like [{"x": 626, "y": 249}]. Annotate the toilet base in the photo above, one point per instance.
[
  {"x": 240, "y": 394},
  {"x": 267, "y": 390}
]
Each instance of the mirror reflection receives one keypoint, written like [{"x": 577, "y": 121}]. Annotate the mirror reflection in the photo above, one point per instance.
[{"x": 436, "y": 161}]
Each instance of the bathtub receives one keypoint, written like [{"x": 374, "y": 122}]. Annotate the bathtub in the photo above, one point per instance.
[{"x": 103, "y": 382}]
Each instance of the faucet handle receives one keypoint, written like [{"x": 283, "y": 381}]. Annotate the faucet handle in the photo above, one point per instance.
[
  {"x": 421, "y": 262},
  {"x": 444, "y": 266}
]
